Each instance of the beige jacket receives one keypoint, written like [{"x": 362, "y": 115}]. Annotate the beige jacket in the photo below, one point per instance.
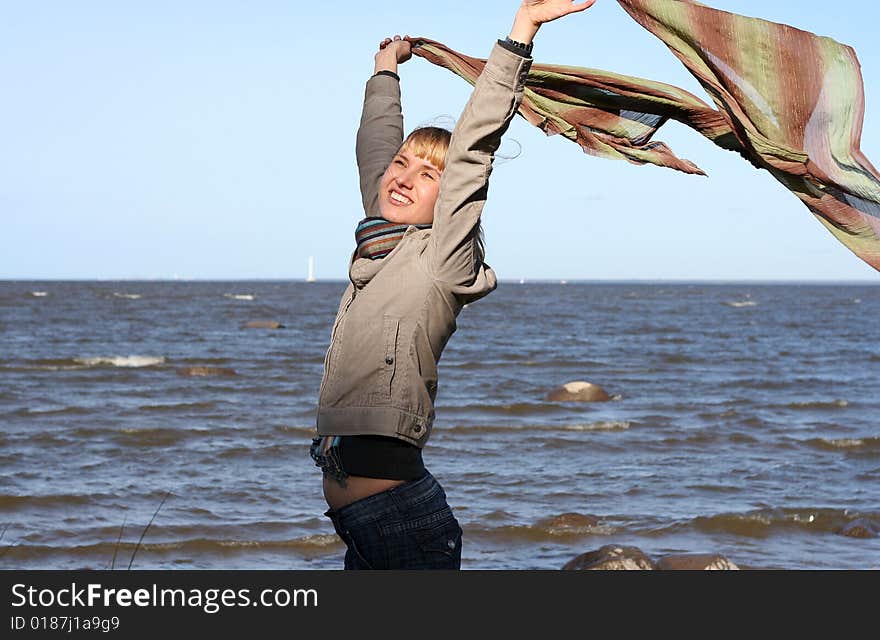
[{"x": 398, "y": 312}]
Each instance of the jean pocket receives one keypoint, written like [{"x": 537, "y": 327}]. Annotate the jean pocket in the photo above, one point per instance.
[{"x": 441, "y": 542}]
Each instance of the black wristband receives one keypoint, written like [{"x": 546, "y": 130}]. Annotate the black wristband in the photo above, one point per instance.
[
  {"x": 517, "y": 47},
  {"x": 387, "y": 72}
]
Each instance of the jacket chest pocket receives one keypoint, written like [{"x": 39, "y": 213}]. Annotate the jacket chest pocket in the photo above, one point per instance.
[{"x": 389, "y": 364}]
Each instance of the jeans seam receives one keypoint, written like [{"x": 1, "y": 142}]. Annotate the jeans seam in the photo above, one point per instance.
[{"x": 354, "y": 549}]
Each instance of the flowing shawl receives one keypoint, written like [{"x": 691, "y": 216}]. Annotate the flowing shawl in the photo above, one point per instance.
[{"x": 786, "y": 100}]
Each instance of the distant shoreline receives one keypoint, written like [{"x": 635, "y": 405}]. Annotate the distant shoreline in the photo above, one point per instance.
[{"x": 505, "y": 281}]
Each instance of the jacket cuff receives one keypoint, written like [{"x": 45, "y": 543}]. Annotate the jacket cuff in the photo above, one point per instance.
[
  {"x": 508, "y": 67},
  {"x": 386, "y": 72},
  {"x": 513, "y": 48}
]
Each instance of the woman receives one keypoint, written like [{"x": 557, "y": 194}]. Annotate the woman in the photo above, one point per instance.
[{"x": 419, "y": 260}]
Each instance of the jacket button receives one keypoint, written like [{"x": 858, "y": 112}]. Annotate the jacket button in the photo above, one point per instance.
[
  {"x": 417, "y": 428},
  {"x": 389, "y": 360}
]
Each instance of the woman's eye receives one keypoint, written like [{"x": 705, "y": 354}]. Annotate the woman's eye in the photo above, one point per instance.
[
  {"x": 429, "y": 176},
  {"x": 400, "y": 162}
]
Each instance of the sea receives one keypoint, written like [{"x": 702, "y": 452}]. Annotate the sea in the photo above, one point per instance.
[{"x": 144, "y": 425}]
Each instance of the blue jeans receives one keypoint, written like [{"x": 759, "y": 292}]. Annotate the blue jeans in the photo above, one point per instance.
[{"x": 409, "y": 526}]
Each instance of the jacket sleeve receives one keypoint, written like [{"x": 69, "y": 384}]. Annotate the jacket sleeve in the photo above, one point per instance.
[
  {"x": 465, "y": 181},
  {"x": 379, "y": 135}
]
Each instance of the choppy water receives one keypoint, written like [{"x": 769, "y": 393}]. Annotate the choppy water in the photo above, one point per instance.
[{"x": 745, "y": 422}]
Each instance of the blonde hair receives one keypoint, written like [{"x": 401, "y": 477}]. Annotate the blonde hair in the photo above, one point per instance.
[{"x": 431, "y": 144}]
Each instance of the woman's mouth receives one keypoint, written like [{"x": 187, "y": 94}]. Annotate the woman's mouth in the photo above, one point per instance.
[{"x": 398, "y": 199}]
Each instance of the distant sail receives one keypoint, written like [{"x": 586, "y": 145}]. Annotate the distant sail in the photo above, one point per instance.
[{"x": 311, "y": 276}]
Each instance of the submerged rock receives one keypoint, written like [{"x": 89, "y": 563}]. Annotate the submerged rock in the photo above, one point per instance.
[
  {"x": 263, "y": 324},
  {"x": 861, "y": 528},
  {"x": 578, "y": 391},
  {"x": 205, "y": 371},
  {"x": 695, "y": 562},
  {"x": 616, "y": 558},
  {"x": 611, "y": 558}
]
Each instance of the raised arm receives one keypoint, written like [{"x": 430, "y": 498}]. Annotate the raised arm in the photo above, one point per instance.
[
  {"x": 464, "y": 184},
  {"x": 381, "y": 129}
]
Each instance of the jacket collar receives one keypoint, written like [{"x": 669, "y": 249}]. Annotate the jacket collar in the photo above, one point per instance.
[{"x": 362, "y": 270}]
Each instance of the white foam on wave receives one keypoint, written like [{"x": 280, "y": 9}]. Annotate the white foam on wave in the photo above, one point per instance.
[
  {"x": 846, "y": 443},
  {"x": 741, "y": 303},
  {"x": 39, "y": 294},
  {"x": 122, "y": 361},
  {"x": 612, "y": 425},
  {"x": 130, "y": 296},
  {"x": 239, "y": 296}
]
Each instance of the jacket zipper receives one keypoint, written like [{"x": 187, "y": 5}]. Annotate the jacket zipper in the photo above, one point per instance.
[{"x": 333, "y": 342}]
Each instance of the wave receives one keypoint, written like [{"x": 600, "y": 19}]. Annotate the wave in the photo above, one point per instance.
[
  {"x": 815, "y": 404},
  {"x": 152, "y": 437},
  {"x": 122, "y": 361},
  {"x": 763, "y": 523},
  {"x": 700, "y": 437},
  {"x": 742, "y": 438},
  {"x": 674, "y": 340},
  {"x": 860, "y": 445},
  {"x": 209, "y": 361},
  {"x": 39, "y": 294},
  {"x": 648, "y": 330},
  {"x": 8, "y": 501},
  {"x": 63, "y": 364},
  {"x": 104, "y": 551},
  {"x": 681, "y": 358},
  {"x": 783, "y": 383},
  {"x": 515, "y": 409},
  {"x": 603, "y": 425},
  {"x": 129, "y": 296},
  {"x": 239, "y": 296},
  {"x": 555, "y": 528},
  {"x": 280, "y": 450},
  {"x": 304, "y": 431},
  {"x": 25, "y": 412},
  {"x": 537, "y": 361},
  {"x": 715, "y": 488},
  {"x": 177, "y": 406}
]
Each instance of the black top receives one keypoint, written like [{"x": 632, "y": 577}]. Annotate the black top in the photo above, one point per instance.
[{"x": 381, "y": 457}]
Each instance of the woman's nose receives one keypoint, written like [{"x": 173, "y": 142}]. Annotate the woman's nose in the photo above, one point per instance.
[{"x": 405, "y": 178}]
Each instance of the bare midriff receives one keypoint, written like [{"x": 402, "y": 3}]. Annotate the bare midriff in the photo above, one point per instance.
[{"x": 356, "y": 488}]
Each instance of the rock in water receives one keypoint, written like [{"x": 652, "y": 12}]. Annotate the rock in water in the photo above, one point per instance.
[
  {"x": 611, "y": 558},
  {"x": 263, "y": 324},
  {"x": 861, "y": 528},
  {"x": 205, "y": 371},
  {"x": 578, "y": 391},
  {"x": 695, "y": 562}
]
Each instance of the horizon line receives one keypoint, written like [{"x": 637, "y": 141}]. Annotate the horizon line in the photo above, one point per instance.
[{"x": 500, "y": 280}]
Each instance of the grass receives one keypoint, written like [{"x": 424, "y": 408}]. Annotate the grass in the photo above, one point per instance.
[{"x": 4, "y": 550}]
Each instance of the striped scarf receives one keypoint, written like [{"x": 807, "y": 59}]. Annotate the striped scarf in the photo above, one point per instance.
[
  {"x": 788, "y": 101},
  {"x": 376, "y": 237}
]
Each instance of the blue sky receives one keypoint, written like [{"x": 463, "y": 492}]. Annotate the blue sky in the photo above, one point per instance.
[{"x": 215, "y": 140}]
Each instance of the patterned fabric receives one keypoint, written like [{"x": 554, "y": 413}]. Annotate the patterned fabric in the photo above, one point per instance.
[
  {"x": 376, "y": 237},
  {"x": 788, "y": 101}
]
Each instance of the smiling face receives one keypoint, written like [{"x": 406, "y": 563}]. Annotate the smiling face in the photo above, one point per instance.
[{"x": 409, "y": 187}]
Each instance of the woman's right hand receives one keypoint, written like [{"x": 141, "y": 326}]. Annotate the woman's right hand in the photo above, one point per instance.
[
  {"x": 392, "y": 51},
  {"x": 533, "y": 13}
]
